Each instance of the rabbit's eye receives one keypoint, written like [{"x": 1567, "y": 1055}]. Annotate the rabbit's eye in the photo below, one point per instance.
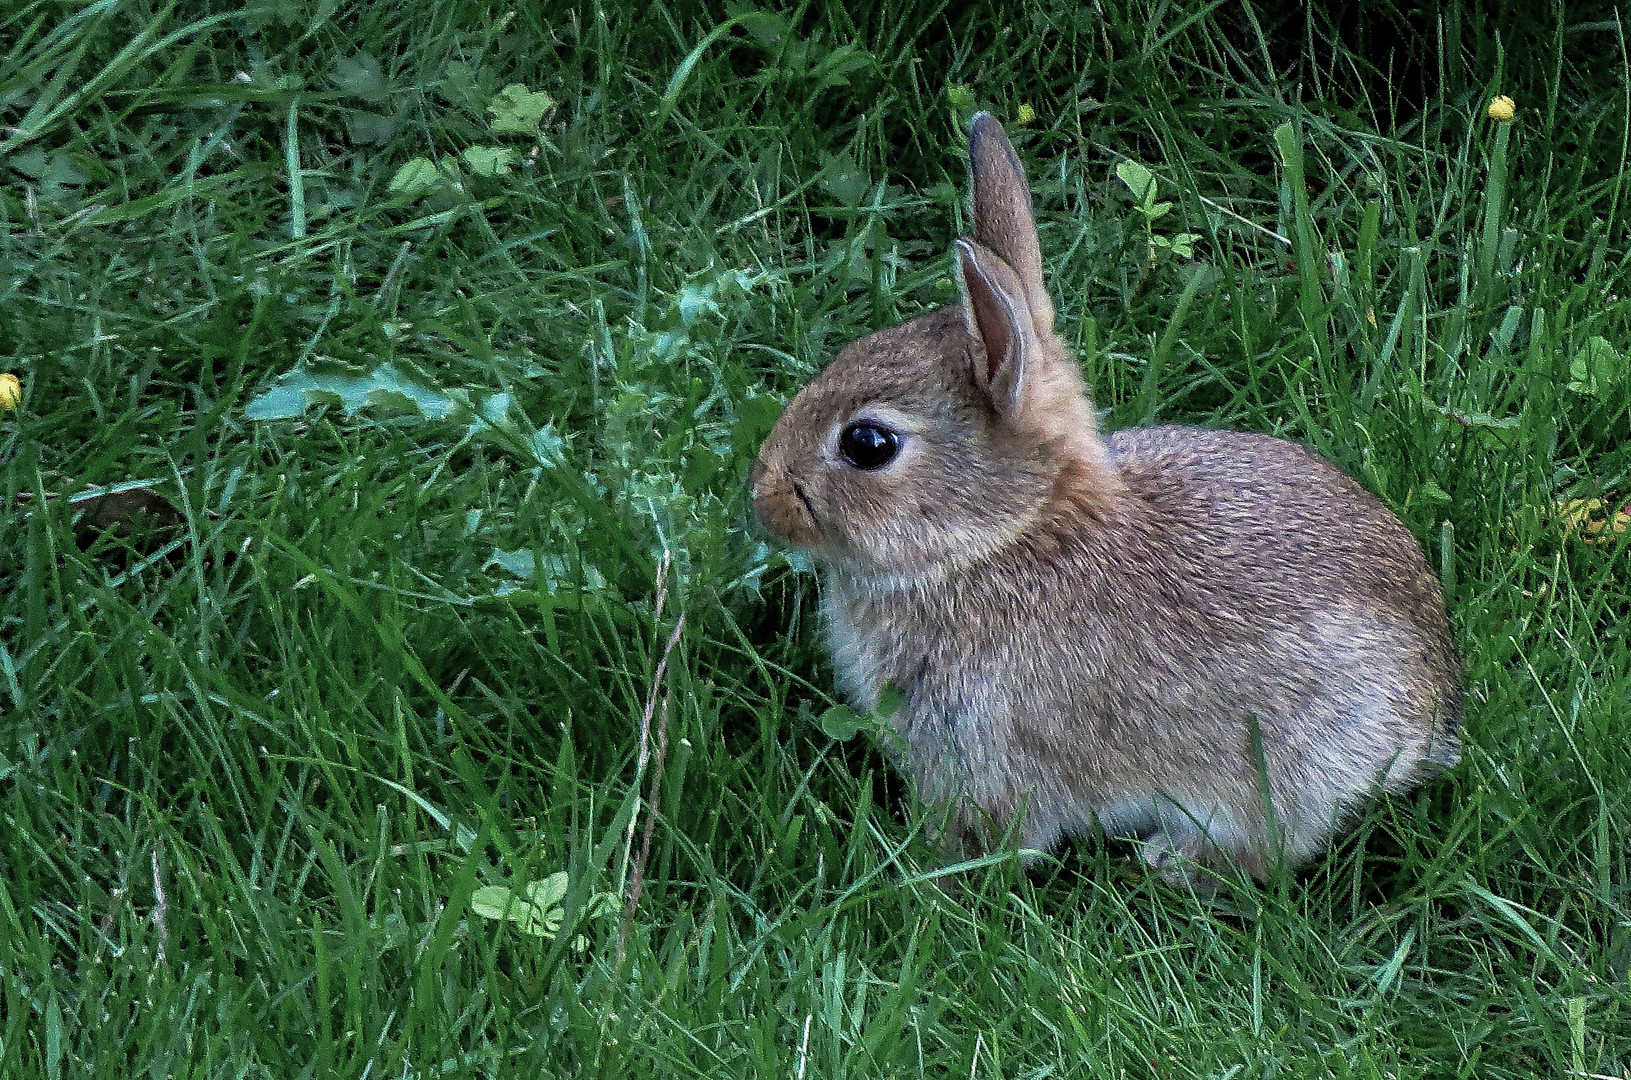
[{"x": 868, "y": 446}]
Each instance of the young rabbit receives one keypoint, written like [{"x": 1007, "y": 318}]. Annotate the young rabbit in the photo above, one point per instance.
[{"x": 1101, "y": 631}]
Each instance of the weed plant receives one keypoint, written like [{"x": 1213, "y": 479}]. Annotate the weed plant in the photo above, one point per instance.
[{"x": 448, "y": 332}]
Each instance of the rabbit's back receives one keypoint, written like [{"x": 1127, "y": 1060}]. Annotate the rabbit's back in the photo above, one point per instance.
[{"x": 1282, "y": 530}]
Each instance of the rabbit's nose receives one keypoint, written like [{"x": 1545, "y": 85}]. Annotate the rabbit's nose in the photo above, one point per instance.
[
  {"x": 782, "y": 507},
  {"x": 761, "y": 482}
]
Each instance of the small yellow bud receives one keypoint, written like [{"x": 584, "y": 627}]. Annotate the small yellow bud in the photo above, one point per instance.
[
  {"x": 1591, "y": 522},
  {"x": 11, "y": 392},
  {"x": 1026, "y": 115},
  {"x": 1502, "y": 108}
]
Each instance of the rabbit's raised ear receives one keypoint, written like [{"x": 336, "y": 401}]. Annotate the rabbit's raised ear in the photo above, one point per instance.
[
  {"x": 1003, "y": 220},
  {"x": 995, "y": 309}
]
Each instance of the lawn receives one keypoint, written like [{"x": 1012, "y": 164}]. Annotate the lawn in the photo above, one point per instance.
[{"x": 445, "y": 713}]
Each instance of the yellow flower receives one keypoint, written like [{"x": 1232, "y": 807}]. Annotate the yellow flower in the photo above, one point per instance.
[
  {"x": 11, "y": 392},
  {"x": 1588, "y": 519},
  {"x": 1026, "y": 115},
  {"x": 1501, "y": 108}
]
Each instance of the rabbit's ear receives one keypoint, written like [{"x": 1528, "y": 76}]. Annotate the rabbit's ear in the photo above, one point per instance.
[
  {"x": 995, "y": 309},
  {"x": 1003, "y": 220}
]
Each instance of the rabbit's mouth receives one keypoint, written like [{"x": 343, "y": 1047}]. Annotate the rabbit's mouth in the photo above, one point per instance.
[
  {"x": 784, "y": 508},
  {"x": 798, "y": 489}
]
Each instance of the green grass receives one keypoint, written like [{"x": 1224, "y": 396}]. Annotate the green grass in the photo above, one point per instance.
[{"x": 254, "y": 767}]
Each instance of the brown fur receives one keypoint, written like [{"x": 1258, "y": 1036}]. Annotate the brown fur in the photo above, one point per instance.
[{"x": 1088, "y": 630}]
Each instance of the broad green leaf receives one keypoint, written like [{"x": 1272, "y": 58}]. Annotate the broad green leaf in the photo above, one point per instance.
[
  {"x": 359, "y": 75},
  {"x": 352, "y": 389},
  {"x": 492, "y": 901},
  {"x": 1596, "y": 367},
  {"x": 694, "y": 300},
  {"x": 492, "y": 415},
  {"x": 526, "y": 564},
  {"x": 842, "y": 723},
  {"x": 600, "y": 904},
  {"x": 890, "y": 700},
  {"x": 766, "y": 27},
  {"x": 1433, "y": 493},
  {"x": 1138, "y": 180},
  {"x": 498, "y": 902},
  {"x": 285, "y": 399},
  {"x": 517, "y": 110},
  {"x": 425, "y": 399},
  {"x": 488, "y": 160},
  {"x": 549, "y": 892},
  {"x": 547, "y": 446},
  {"x": 416, "y": 177},
  {"x": 843, "y": 179},
  {"x": 465, "y": 84}
]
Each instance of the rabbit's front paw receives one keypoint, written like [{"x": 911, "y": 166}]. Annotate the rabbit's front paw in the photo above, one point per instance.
[{"x": 1190, "y": 860}]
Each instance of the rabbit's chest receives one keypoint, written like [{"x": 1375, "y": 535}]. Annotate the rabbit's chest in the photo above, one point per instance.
[
  {"x": 877, "y": 644},
  {"x": 868, "y": 647}
]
